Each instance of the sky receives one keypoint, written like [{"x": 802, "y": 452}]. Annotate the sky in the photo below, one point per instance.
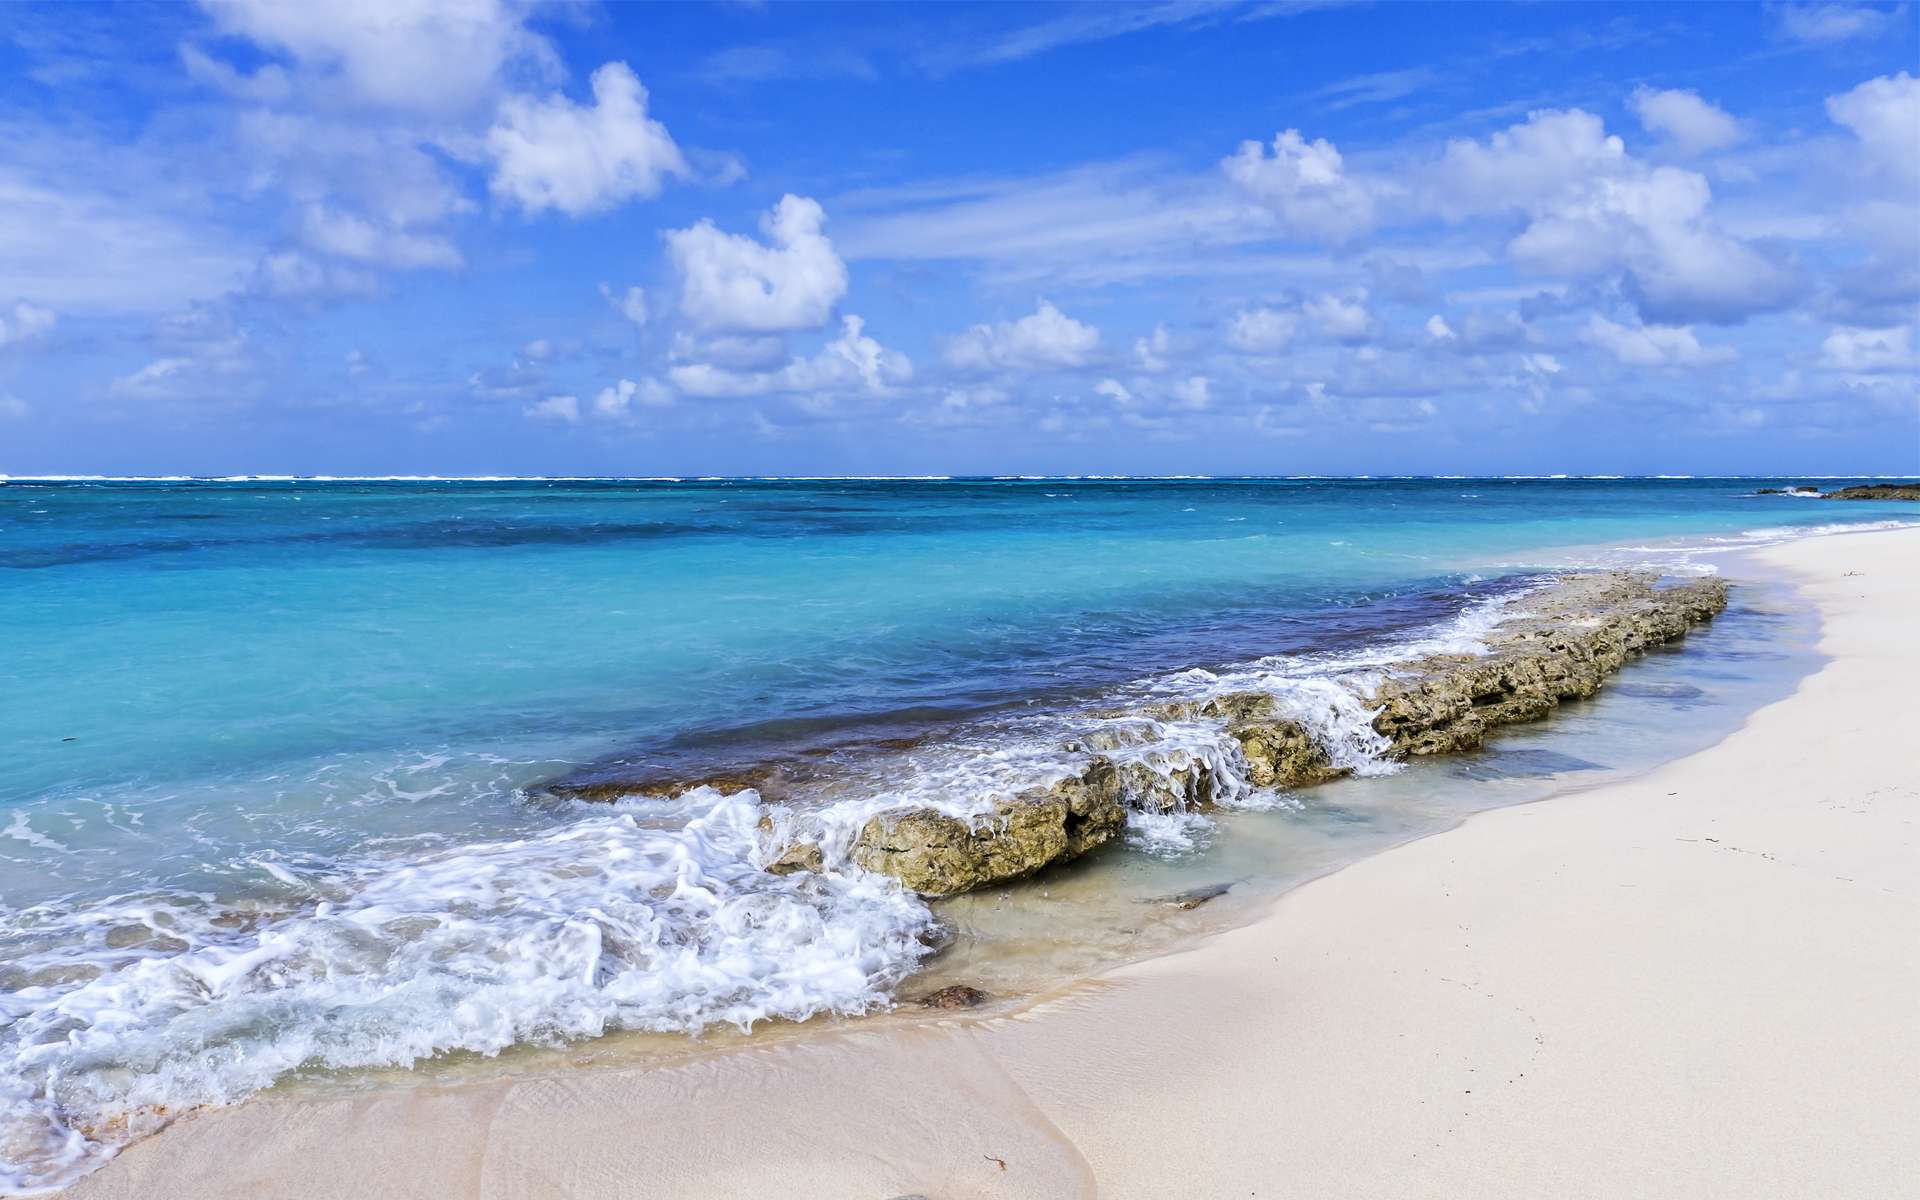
[{"x": 419, "y": 237}]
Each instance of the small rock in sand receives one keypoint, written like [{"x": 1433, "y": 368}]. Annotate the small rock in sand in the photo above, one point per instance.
[{"x": 957, "y": 996}]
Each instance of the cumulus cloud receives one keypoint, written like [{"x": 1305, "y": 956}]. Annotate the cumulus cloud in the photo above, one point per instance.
[
  {"x": 555, "y": 408},
  {"x": 25, "y": 323},
  {"x": 1151, "y": 351},
  {"x": 1596, "y": 211},
  {"x": 1867, "y": 351},
  {"x": 730, "y": 282},
  {"x": 1438, "y": 329},
  {"x": 1827, "y": 23},
  {"x": 1884, "y": 114},
  {"x": 1653, "y": 345},
  {"x": 1261, "y": 330},
  {"x": 1194, "y": 392},
  {"x": 1344, "y": 319},
  {"x": 556, "y": 154},
  {"x": 1304, "y": 184},
  {"x": 851, "y": 363},
  {"x": 360, "y": 104},
  {"x": 427, "y": 56},
  {"x": 1113, "y": 389},
  {"x": 1691, "y": 125},
  {"x": 346, "y": 235},
  {"x": 614, "y": 402},
  {"x": 1046, "y": 340},
  {"x": 1494, "y": 331},
  {"x": 631, "y": 304},
  {"x": 291, "y": 273}
]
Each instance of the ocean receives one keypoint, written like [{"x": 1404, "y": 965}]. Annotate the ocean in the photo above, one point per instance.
[{"x": 328, "y": 780}]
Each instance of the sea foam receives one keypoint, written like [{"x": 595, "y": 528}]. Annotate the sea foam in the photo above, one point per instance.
[{"x": 652, "y": 914}]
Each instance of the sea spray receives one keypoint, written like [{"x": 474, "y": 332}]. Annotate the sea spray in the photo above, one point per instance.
[{"x": 133, "y": 1012}]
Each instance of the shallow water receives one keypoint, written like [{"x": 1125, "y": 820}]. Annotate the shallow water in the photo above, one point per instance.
[{"x": 277, "y": 750}]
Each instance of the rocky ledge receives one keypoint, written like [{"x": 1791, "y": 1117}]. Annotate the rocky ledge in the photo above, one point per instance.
[
  {"x": 1574, "y": 634},
  {"x": 1876, "y": 491},
  {"x": 1864, "y": 491}
]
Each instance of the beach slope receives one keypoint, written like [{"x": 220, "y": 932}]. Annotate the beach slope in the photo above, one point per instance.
[{"x": 1704, "y": 982}]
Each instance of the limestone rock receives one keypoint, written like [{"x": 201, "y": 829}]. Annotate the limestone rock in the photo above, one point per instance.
[
  {"x": 938, "y": 854},
  {"x": 1876, "y": 491},
  {"x": 958, "y": 995},
  {"x": 1583, "y": 629},
  {"x": 1279, "y": 751},
  {"x": 804, "y": 857}
]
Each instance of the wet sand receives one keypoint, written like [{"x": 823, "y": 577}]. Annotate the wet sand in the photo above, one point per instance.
[{"x": 1700, "y": 982}]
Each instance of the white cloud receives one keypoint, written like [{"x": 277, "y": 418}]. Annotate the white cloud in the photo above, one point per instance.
[
  {"x": 1151, "y": 351},
  {"x": 1492, "y": 331},
  {"x": 555, "y": 408},
  {"x": 1343, "y": 319},
  {"x": 1869, "y": 350},
  {"x": 290, "y": 273},
  {"x": 25, "y": 323},
  {"x": 1884, "y": 114},
  {"x": 730, "y": 282},
  {"x": 1438, "y": 329},
  {"x": 1192, "y": 393},
  {"x": 1596, "y": 211},
  {"x": 1091, "y": 224},
  {"x": 1691, "y": 124},
  {"x": 957, "y": 398},
  {"x": 89, "y": 253},
  {"x": 554, "y": 153},
  {"x": 151, "y": 380},
  {"x": 427, "y": 56},
  {"x": 1046, "y": 340},
  {"x": 1836, "y": 22},
  {"x": 1261, "y": 330},
  {"x": 851, "y": 363},
  {"x": 631, "y": 304},
  {"x": 1653, "y": 345},
  {"x": 1305, "y": 184},
  {"x": 1112, "y": 389},
  {"x": 614, "y": 402},
  {"x": 208, "y": 357},
  {"x": 1530, "y": 166},
  {"x": 348, "y": 236}
]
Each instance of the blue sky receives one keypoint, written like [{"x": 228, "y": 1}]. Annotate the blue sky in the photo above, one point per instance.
[{"x": 1174, "y": 238}]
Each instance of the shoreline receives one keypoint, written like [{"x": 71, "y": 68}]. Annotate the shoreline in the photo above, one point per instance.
[{"x": 1289, "y": 1057}]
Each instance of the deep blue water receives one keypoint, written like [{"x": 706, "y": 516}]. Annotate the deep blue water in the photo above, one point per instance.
[{"x": 232, "y": 710}]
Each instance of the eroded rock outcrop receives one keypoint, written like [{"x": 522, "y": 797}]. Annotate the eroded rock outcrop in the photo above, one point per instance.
[
  {"x": 939, "y": 854},
  {"x": 1570, "y": 637},
  {"x": 1279, "y": 751},
  {"x": 1576, "y": 632},
  {"x": 1876, "y": 491}
]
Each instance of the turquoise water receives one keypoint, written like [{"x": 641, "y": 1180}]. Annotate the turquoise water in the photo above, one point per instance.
[{"x": 276, "y": 748}]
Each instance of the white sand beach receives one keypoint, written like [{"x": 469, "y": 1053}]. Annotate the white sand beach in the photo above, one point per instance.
[{"x": 1703, "y": 982}]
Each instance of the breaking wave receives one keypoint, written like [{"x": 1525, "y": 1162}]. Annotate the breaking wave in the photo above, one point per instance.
[{"x": 646, "y": 914}]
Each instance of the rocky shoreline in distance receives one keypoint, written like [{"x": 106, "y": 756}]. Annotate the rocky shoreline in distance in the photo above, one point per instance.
[{"x": 1863, "y": 491}]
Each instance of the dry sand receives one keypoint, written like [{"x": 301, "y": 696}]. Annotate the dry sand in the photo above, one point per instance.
[{"x": 1701, "y": 983}]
